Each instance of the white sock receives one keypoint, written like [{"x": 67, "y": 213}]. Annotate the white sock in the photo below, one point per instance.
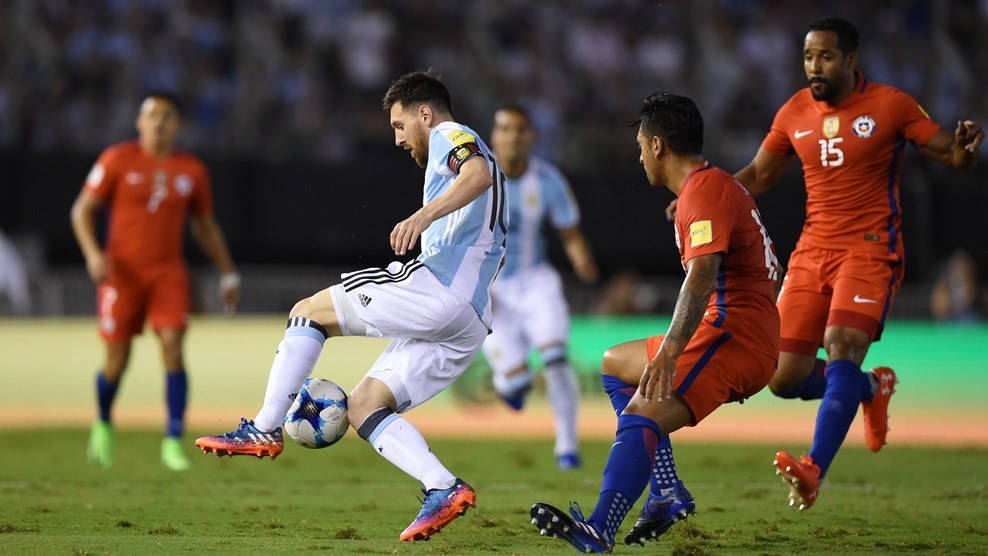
[
  {"x": 293, "y": 363},
  {"x": 564, "y": 395},
  {"x": 509, "y": 385},
  {"x": 402, "y": 444}
]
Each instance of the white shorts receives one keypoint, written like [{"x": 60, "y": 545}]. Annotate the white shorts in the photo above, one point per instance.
[
  {"x": 529, "y": 312},
  {"x": 437, "y": 334}
]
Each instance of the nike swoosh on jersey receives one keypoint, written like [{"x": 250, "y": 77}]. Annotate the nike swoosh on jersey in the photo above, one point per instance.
[
  {"x": 799, "y": 134},
  {"x": 859, "y": 299}
]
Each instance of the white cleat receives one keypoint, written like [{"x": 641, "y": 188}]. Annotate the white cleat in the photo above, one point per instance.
[{"x": 535, "y": 521}]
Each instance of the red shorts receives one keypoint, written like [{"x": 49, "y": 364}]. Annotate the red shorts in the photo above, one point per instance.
[
  {"x": 717, "y": 368},
  {"x": 826, "y": 287},
  {"x": 125, "y": 300}
]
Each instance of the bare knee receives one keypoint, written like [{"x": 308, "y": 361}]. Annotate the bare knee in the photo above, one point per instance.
[
  {"x": 368, "y": 396},
  {"x": 846, "y": 343},
  {"x": 117, "y": 357},
  {"x": 320, "y": 309},
  {"x": 171, "y": 348}
]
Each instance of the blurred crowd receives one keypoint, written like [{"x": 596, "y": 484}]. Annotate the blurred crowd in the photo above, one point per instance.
[{"x": 297, "y": 78}]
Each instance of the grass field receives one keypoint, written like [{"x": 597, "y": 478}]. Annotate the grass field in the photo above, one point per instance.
[
  {"x": 926, "y": 493},
  {"x": 344, "y": 500}
]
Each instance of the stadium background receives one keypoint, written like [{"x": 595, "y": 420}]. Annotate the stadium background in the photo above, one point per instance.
[{"x": 283, "y": 103}]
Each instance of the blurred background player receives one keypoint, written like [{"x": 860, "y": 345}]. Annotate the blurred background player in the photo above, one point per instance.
[
  {"x": 436, "y": 307},
  {"x": 849, "y": 135},
  {"x": 150, "y": 189},
  {"x": 722, "y": 344},
  {"x": 530, "y": 310}
]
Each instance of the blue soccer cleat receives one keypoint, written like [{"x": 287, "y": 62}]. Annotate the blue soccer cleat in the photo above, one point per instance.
[
  {"x": 575, "y": 530},
  {"x": 247, "y": 440},
  {"x": 567, "y": 462},
  {"x": 439, "y": 508},
  {"x": 513, "y": 389},
  {"x": 660, "y": 513}
]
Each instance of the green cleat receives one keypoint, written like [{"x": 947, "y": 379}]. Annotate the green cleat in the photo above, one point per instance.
[
  {"x": 172, "y": 455},
  {"x": 100, "y": 450}
]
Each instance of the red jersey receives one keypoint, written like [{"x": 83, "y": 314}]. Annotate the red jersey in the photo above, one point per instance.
[
  {"x": 852, "y": 155},
  {"x": 148, "y": 200},
  {"x": 716, "y": 214}
]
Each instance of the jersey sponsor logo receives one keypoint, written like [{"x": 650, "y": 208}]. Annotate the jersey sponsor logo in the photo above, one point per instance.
[
  {"x": 831, "y": 125},
  {"x": 863, "y": 127},
  {"x": 95, "y": 177},
  {"x": 859, "y": 299},
  {"x": 183, "y": 184},
  {"x": 701, "y": 233},
  {"x": 459, "y": 137},
  {"x": 134, "y": 178},
  {"x": 800, "y": 133}
]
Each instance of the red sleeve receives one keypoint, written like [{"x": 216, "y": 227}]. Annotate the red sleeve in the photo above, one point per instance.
[
  {"x": 910, "y": 119},
  {"x": 777, "y": 141},
  {"x": 705, "y": 218},
  {"x": 202, "y": 199},
  {"x": 102, "y": 178}
]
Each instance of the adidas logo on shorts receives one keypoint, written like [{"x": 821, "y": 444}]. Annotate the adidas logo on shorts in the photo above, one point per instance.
[{"x": 364, "y": 300}]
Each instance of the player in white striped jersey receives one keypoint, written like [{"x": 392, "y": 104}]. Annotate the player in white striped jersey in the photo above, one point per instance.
[
  {"x": 530, "y": 312},
  {"x": 436, "y": 308}
]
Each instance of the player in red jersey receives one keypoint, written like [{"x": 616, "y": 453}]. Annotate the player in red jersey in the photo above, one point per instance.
[
  {"x": 722, "y": 345},
  {"x": 849, "y": 135},
  {"x": 150, "y": 190}
]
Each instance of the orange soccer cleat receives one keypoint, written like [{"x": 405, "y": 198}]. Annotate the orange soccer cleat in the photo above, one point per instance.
[
  {"x": 247, "y": 440},
  {"x": 439, "y": 508},
  {"x": 876, "y": 412},
  {"x": 802, "y": 477}
]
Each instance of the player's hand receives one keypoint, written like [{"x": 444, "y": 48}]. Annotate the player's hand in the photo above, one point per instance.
[
  {"x": 969, "y": 135},
  {"x": 230, "y": 292},
  {"x": 97, "y": 267},
  {"x": 407, "y": 232},
  {"x": 671, "y": 210},
  {"x": 656, "y": 382}
]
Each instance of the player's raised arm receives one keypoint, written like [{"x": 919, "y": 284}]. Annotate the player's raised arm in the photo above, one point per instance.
[
  {"x": 83, "y": 218},
  {"x": 474, "y": 178},
  {"x": 960, "y": 149},
  {"x": 579, "y": 254},
  {"x": 762, "y": 172},
  {"x": 694, "y": 296}
]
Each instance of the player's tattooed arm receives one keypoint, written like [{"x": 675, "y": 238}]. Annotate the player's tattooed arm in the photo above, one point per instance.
[{"x": 701, "y": 277}]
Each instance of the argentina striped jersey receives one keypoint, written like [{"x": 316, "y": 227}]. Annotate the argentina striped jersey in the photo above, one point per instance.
[
  {"x": 464, "y": 249},
  {"x": 540, "y": 193}
]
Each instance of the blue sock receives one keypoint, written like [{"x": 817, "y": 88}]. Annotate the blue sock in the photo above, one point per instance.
[
  {"x": 813, "y": 387},
  {"x": 106, "y": 391},
  {"x": 664, "y": 476},
  {"x": 845, "y": 384},
  {"x": 619, "y": 392},
  {"x": 176, "y": 394},
  {"x": 626, "y": 473}
]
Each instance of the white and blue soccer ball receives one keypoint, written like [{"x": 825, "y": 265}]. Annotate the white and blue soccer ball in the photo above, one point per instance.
[{"x": 317, "y": 418}]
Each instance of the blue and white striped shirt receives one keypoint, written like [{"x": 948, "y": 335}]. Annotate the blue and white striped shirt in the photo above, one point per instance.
[
  {"x": 540, "y": 193},
  {"x": 464, "y": 249}
]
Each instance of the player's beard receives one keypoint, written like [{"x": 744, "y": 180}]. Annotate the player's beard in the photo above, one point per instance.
[{"x": 825, "y": 90}]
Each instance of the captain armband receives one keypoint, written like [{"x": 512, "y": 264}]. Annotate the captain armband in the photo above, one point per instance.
[{"x": 460, "y": 154}]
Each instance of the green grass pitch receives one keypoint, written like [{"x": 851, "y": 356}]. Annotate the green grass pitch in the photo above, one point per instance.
[{"x": 346, "y": 500}]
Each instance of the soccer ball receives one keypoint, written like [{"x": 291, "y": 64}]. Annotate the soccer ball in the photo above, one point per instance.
[{"x": 317, "y": 418}]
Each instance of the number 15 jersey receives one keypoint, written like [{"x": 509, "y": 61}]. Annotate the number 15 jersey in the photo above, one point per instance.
[{"x": 852, "y": 156}]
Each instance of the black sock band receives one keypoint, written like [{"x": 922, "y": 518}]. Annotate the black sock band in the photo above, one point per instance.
[
  {"x": 372, "y": 421},
  {"x": 302, "y": 321}
]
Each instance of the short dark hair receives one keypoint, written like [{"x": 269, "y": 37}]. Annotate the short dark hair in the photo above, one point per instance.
[
  {"x": 171, "y": 97},
  {"x": 517, "y": 109},
  {"x": 675, "y": 119},
  {"x": 847, "y": 33},
  {"x": 418, "y": 87}
]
